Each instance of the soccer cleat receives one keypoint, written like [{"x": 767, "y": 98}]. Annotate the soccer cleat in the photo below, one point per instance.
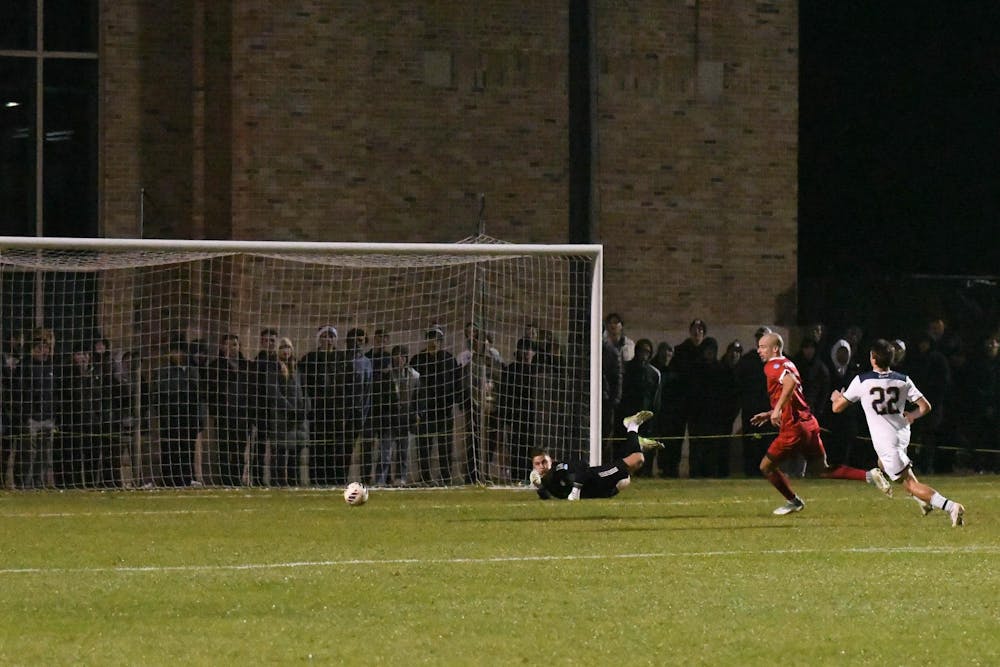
[
  {"x": 957, "y": 512},
  {"x": 791, "y": 506},
  {"x": 649, "y": 443},
  {"x": 880, "y": 481},
  {"x": 637, "y": 419}
]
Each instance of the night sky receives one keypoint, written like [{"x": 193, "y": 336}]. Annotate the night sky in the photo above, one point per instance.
[{"x": 899, "y": 138}]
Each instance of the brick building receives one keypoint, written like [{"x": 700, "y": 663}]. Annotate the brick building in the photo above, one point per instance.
[{"x": 382, "y": 121}]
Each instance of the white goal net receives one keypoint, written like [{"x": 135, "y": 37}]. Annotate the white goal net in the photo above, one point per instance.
[{"x": 165, "y": 364}]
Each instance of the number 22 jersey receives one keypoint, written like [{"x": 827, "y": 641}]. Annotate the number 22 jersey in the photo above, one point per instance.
[{"x": 883, "y": 395}]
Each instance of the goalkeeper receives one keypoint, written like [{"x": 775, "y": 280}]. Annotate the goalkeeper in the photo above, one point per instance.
[{"x": 577, "y": 479}]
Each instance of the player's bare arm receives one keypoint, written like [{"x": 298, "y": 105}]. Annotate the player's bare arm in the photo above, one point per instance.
[
  {"x": 788, "y": 384},
  {"x": 839, "y": 403}
]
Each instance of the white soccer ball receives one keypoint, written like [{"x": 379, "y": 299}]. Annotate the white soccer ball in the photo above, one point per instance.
[{"x": 356, "y": 493}]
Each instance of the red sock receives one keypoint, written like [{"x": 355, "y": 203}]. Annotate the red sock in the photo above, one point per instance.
[
  {"x": 780, "y": 482},
  {"x": 845, "y": 472}
]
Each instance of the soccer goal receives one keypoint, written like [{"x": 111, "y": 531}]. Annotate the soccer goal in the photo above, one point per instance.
[{"x": 131, "y": 363}]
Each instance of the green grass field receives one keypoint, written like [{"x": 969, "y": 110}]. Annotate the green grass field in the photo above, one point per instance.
[{"x": 680, "y": 572}]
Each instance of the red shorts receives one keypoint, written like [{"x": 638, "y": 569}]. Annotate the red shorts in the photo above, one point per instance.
[{"x": 797, "y": 438}]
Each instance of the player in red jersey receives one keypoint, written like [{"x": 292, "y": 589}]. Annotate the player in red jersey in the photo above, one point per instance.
[{"x": 798, "y": 430}]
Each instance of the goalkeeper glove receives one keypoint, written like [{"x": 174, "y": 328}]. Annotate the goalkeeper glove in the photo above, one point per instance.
[
  {"x": 574, "y": 494},
  {"x": 536, "y": 479}
]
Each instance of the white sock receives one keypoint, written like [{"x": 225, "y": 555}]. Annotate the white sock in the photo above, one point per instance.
[
  {"x": 868, "y": 476},
  {"x": 939, "y": 501}
]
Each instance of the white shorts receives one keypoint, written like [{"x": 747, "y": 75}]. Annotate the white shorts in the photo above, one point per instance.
[{"x": 892, "y": 456}]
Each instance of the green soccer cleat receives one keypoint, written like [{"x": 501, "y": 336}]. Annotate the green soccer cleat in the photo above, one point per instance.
[
  {"x": 649, "y": 443},
  {"x": 637, "y": 419}
]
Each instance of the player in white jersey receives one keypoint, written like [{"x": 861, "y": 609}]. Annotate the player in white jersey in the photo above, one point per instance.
[{"x": 883, "y": 393}]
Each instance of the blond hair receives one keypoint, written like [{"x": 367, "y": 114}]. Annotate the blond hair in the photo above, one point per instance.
[{"x": 287, "y": 367}]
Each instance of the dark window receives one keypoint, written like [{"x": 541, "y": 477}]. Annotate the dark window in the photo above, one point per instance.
[
  {"x": 17, "y": 146},
  {"x": 64, "y": 201},
  {"x": 70, "y": 148},
  {"x": 17, "y": 25},
  {"x": 70, "y": 25}
]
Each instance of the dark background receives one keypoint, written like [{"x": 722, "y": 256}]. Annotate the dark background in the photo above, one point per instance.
[{"x": 899, "y": 192}]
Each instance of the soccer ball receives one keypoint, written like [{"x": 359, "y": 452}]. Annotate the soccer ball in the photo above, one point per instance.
[{"x": 356, "y": 493}]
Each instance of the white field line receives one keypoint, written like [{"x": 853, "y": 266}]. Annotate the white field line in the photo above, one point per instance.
[
  {"x": 968, "y": 549},
  {"x": 64, "y": 515}
]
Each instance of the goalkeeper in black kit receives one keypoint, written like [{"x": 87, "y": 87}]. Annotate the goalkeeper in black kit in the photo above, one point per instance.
[{"x": 578, "y": 479}]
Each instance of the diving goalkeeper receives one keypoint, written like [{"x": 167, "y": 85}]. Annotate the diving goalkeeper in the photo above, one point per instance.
[{"x": 577, "y": 479}]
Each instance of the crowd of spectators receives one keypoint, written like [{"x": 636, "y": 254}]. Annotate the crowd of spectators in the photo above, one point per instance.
[
  {"x": 203, "y": 416},
  {"x": 706, "y": 399},
  {"x": 87, "y": 418}
]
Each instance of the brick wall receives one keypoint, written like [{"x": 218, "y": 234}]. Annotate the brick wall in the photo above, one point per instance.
[
  {"x": 146, "y": 118},
  {"x": 382, "y": 121},
  {"x": 697, "y": 168}
]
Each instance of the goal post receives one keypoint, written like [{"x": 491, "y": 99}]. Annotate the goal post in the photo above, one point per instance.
[{"x": 171, "y": 363}]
